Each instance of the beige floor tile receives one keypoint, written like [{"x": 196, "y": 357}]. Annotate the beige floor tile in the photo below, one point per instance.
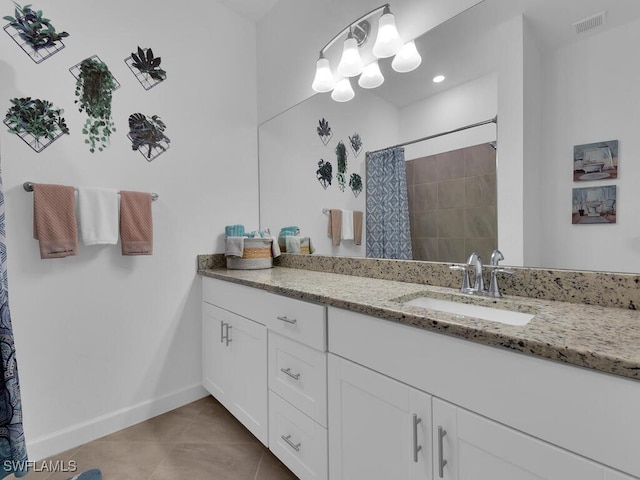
[
  {"x": 119, "y": 460},
  {"x": 222, "y": 461},
  {"x": 271, "y": 468},
  {"x": 163, "y": 428},
  {"x": 215, "y": 425}
]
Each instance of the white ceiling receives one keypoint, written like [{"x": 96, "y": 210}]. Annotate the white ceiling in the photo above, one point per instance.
[{"x": 252, "y": 9}]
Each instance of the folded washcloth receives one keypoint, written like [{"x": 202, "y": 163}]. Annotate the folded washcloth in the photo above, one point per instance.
[
  {"x": 234, "y": 231},
  {"x": 286, "y": 231},
  {"x": 275, "y": 248},
  {"x": 54, "y": 220},
  {"x": 98, "y": 215},
  {"x": 335, "y": 226},
  {"x": 234, "y": 246},
  {"x": 347, "y": 225},
  {"x": 136, "y": 223},
  {"x": 292, "y": 244},
  {"x": 357, "y": 227}
]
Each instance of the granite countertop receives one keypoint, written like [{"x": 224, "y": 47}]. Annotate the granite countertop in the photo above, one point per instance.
[{"x": 597, "y": 337}]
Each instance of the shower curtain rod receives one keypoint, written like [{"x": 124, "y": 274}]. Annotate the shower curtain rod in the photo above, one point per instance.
[{"x": 466, "y": 127}]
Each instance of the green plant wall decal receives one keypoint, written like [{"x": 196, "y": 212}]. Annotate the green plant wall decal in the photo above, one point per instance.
[
  {"x": 341, "y": 159},
  {"x": 145, "y": 62},
  {"x": 36, "y": 30},
  {"x": 355, "y": 183},
  {"x": 94, "y": 89},
  {"x": 324, "y": 131},
  {"x": 35, "y": 118},
  {"x": 148, "y": 132},
  {"x": 324, "y": 174}
]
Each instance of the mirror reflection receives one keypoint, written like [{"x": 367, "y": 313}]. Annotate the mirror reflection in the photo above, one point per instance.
[{"x": 551, "y": 88}]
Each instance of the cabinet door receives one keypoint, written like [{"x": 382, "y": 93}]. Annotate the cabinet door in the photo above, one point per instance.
[
  {"x": 248, "y": 353},
  {"x": 234, "y": 351},
  {"x": 378, "y": 428},
  {"x": 216, "y": 361},
  {"x": 468, "y": 447}
]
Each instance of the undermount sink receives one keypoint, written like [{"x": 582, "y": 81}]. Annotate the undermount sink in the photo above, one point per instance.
[{"x": 500, "y": 315}]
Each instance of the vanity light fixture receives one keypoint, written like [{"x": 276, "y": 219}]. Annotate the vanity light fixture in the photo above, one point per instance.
[
  {"x": 387, "y": 44},
  {"x": 343, "y": 91}
]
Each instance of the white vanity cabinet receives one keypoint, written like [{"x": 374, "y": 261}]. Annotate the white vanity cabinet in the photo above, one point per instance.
[
  {"x": 234, "y": 349},
  {"x": 495, "y": 414},
  {"x": 467, "y": 446},
  {"x": 265, "y": 360},
  {"x": 379, "y": 429}
]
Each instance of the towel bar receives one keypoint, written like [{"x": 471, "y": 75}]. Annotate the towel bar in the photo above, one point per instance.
[{"x": 28, "y": 187}]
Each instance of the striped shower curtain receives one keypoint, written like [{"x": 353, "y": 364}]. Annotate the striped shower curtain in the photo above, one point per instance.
[
  {"x": 388, "y": 230},
  {"x": 13, "y": 452}
]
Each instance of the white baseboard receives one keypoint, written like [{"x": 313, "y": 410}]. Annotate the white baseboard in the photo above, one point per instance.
[{"x": 68, "y": 438}]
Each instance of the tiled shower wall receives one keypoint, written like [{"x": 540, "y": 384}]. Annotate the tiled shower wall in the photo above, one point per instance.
[{"x": 452, "y": 204}]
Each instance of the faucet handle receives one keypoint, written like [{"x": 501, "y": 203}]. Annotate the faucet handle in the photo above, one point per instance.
[
  {"x": 466, "y": 287},
  {"x": 494, "y": 290},
  {"x": 496, "y": 256}
]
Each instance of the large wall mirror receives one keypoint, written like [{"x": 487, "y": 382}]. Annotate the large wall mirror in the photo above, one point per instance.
[{"x": 553, "y": 86}]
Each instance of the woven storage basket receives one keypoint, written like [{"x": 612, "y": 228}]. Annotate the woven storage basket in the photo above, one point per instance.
[{"x": 256, "y": 255}]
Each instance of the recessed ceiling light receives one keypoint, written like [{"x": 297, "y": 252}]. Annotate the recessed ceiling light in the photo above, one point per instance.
[{"x": 438, "y": 79}]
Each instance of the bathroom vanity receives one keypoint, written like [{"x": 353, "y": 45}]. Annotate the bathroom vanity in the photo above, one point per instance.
[{"x": 341, "y": 378}]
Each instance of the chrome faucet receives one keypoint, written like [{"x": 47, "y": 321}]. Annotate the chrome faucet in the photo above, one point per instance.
[{"x": 478, "y": 284}]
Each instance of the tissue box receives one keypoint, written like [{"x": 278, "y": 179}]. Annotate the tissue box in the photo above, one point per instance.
[{"x": 256, "y": 255}]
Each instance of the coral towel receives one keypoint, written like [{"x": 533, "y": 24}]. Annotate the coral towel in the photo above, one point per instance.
[
  {"x": 136, "y": 223},
  {"x": 54, "y": 220},
  {"x": 98, "y": 215}
]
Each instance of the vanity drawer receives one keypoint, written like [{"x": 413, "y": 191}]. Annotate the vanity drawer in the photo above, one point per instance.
[
  {"x": 303, "y": 321},
  {"x": 299, "y": 442},
  {"x": 298, "y": 374}
]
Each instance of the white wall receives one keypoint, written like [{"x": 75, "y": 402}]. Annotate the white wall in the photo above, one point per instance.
[
  {"x": 593, "y": 97},
  {"x": 291, "y": 35},
  {"x": 105, "y": 340},
  {"x": 290, "y": 150}
]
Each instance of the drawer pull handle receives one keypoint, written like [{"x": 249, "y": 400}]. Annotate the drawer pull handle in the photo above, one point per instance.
[
  {"x": 416, "y": 447},
  {"x": 227, "y": 337},
  {"x": 295, "y": 376},
  {"x": 441, "y": 461},
  {"x": 292, "y": 321},
  {"x": 295, "y": 446}
]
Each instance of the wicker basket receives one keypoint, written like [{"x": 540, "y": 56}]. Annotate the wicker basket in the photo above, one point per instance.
[{"x": 256, "y": 255}]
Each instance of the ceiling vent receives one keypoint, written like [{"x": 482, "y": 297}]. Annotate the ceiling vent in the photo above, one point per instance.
[{"x": 591, "y": 22}]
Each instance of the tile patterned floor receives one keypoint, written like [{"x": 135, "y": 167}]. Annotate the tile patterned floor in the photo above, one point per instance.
[{"x": 200, "y": 441}]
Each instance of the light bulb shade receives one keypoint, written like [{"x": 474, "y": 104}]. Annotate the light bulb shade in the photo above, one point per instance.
[
  {"x": 323, "y": 81},
  {"x": 388, "y": 41},
  {"x": 371, "y": 76},
  {"x": 343, "y": 91},
  {"x": 350, "y": 63},
  {"x": 407, "y": 59}
]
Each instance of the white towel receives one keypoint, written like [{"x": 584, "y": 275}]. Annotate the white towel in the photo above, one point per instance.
[
  {"x": 347, "y": 224},
  {"x": 292, "y": 243},
  {"x": 98, "y": 215},
  {"x": 234, "y": 247}
]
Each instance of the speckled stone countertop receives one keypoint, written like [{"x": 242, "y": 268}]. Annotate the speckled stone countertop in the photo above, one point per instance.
[{"x": 592, "y": 336}]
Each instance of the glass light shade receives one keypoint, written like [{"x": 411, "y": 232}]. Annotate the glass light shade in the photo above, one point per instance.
[
  {"x": 371, "y": 76},
  {"x": 323, "y": 81},
  {"x": 343, "y": 91},
  {"x": 350, "y": 63},
  {"x": 388, "y": 41},
  {"x": 407, "y": 59}
]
